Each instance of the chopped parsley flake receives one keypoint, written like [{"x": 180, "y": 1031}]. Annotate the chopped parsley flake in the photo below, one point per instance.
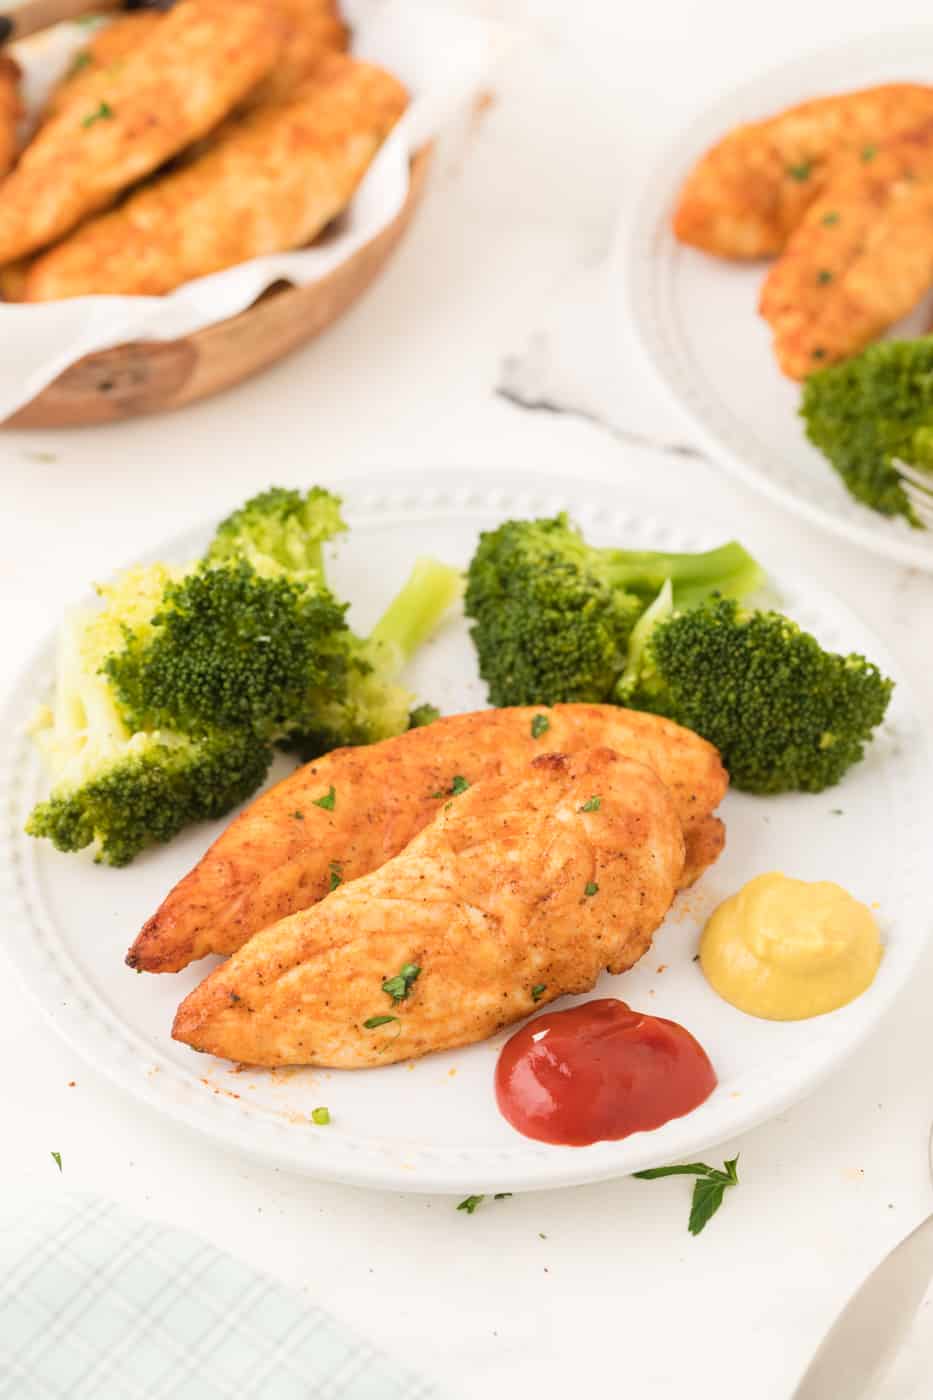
[
  {"x": 800, "y": 172},
  {"x": 399, "y": 986},
  {"x": 298, "y": 816},
  {"x": 818, "y": 354},
  {"x": 328, "y": 801},
  {"x": 869, "y": 152},
  {"x": 539, "y": 725},
  {"x": 824, "y": 276},
  {"x": 57, "y": 1159},
  {"x": 591, "y": 888},
  {"x": 336, "y": 877},
  {"x": 458, "y": 785},
  {"x": 592, "y": 804},
  {"x": 320, "y": 1116},
  {"x": 501, "y": 1195},
  {"x": 82, "y": 59},
  {"x": 537, "y": 992},
  {"x": 831, "y": 218},
  {"x": 470, "y": 1204},
  {"x": 104, "y": 112},
  {"x": 375, "y": 1022}
]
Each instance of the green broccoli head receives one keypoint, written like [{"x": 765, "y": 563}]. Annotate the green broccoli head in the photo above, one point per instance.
[
  {"x": 231, "y": 648},
  {"x": 552, "y": 615},
  {"x": 170, "y": 697},
  {"x": 867, "y": 411},
  {"x": 114, "y": 788},
  {"x": 785, "y": 714},
  {"x": 147, "y": 789},
  {"x": 280, "y": 527}
]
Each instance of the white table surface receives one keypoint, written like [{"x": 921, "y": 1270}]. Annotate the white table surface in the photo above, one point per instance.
[{"x": 500, "y": 297}]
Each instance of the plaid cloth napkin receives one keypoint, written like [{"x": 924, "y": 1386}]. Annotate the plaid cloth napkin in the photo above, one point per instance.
[{"x": 98, "y": 1304}]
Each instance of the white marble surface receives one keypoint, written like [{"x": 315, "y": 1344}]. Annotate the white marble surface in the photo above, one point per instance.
[{"x": 491, "y": 342}]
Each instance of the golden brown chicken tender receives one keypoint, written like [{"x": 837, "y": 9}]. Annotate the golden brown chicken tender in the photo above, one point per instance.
[
  {"x": 313, "y": 28},
  {"x": 195, "y": 66},
  {"x": 11, "y": 109},
  {"x": 522, "y": 882},
  {"x": 270, "y": 863},
  {"x": 107, "y": 48},
  {"x": 272, "y": 181},
  {"x": 747, "y": 195},
  {"x": 861, "y": 259}
]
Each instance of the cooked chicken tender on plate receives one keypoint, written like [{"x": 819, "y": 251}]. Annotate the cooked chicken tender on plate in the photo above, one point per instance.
[
  {"x": 861, "y": 259},
  {"x": 197, "y": 64},
  {"x": 285, "y": 850},
  {"x": 11, "y": 109},
  {"x": 746, "y": 196},
  {"x": 522, "y": 882},
  {"x": 272, "y": 181},
  {"x": 98, "y": 60}
]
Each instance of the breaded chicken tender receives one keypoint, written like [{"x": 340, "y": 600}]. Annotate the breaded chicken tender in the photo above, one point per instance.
[
  {"x": 270, "y": 863},
  {"x": 11, "y": 109},
  {"x": 747, "y": 195},
  {"x": 95, "y": 63},
  {"x": 861, "y": 259},
  {"x": 313, "y": 28},
  {"x": 521, "y": 882},
  {"x": 196, "y": 64},
  {"x": 272, "y": 181}
]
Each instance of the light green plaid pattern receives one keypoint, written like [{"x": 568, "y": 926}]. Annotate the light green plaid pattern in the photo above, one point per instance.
[{"x": 98, "y": 1304}]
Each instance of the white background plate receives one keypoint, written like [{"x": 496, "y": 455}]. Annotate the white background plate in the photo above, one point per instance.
[
  {"x": 698, "y": 320},
  {"x": 434, "y": 1126}
]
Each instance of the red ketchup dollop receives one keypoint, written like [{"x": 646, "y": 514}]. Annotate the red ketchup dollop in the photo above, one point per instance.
[{"x": 599, "y": 1071}]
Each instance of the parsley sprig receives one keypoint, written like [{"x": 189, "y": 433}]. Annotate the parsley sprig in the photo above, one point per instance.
[
  {"x": 401, "y": 984},
  {"x": 708, "y": 1190},
  {"x": 103, "y": 112}
]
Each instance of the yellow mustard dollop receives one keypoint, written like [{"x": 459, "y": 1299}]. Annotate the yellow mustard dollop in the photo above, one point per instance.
[{"x": 787, "y": 949}]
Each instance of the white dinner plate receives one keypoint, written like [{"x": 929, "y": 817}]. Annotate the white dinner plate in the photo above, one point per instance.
[
  {"x": 697, "y": 315},
  {"x": 433, "y": 1125}
]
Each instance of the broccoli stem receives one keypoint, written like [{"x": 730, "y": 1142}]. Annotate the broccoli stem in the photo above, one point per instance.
[
  {"x": 658, "y": 611},
  {"x": 417, "y": 609},
  {"x": 729, "y": 571}
]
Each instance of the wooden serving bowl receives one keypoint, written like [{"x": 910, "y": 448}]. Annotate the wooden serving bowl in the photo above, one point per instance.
[{"x": 150, "y": 376}]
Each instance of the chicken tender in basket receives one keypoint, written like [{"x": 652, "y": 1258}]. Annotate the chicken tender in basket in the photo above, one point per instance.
[
  {"x": 271, "y": 181},
  {"x": 94, "y": 64},
  {"x": 11, "y": 109},
  {"x": 197, "y": 63}
]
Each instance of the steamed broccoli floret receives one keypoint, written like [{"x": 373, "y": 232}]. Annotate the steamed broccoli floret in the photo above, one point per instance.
[
  {"x": 553, "y": 615},
  {"x": 785, "y": 714},
  {"x": 170, "y": 698},
  {"x": 871, "y": 409},
  {"x": 375, "y": 705},
  {"x": 114, "y": 788},
  {"x": 231, "y": 648},
  {"x": 282, "y": 527},
  {"x": 148, "y": 789}
]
